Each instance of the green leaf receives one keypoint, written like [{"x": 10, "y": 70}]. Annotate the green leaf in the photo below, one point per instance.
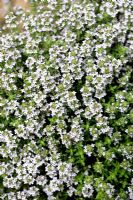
[{"x": 53, "y": 119}]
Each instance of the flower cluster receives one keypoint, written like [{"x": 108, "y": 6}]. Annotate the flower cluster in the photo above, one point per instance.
[{"x": 66, "y": 101}]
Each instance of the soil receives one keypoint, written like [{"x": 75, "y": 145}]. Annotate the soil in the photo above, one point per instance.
[{"x": 6, "y": 4}]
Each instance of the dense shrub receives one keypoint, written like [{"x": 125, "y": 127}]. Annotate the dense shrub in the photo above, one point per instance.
[{"x": 66, "y": 101}]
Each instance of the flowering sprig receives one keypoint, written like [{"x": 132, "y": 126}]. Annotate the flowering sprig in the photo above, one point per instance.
[{"x": 66, "y": 101}]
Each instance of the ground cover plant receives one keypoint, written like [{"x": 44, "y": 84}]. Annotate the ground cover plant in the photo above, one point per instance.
[{"x": 66, "y": 98}]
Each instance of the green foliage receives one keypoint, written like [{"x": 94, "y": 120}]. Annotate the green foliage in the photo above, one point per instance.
[
  {"x": 118, "y": 51},
  {"x": 77, "y": 154},
  {"x": 98, "y": 167},
  {"x": 105, "y": 19},
  {"x": 80, "y": 180},
  {"x": 53, "y": 120},
  {"x": 101, "y": 195}
]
